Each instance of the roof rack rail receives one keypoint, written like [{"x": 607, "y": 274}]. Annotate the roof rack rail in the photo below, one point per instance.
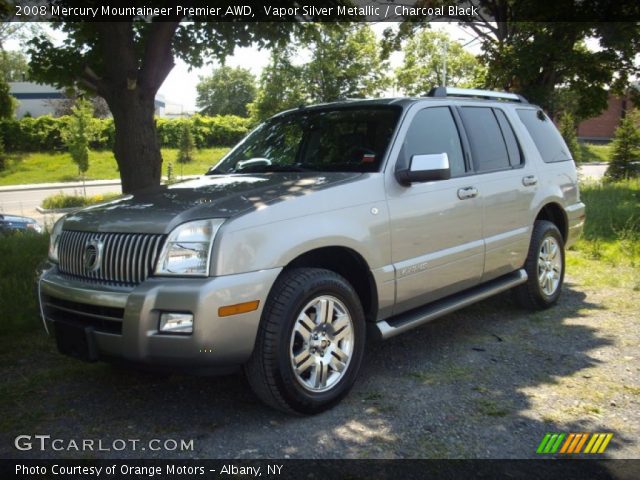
[{"x": 442, "y": 92}]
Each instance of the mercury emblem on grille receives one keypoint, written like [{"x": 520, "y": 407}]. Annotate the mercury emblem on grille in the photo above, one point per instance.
[{"x": 92, "y": 257}]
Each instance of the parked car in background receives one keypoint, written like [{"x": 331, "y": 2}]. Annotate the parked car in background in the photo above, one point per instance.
[
  {"x": 16, "y": 223},
  {"x": 326, "y": 223}
]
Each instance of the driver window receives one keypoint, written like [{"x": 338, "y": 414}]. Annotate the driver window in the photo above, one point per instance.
[{"x": 433, "y": 130}]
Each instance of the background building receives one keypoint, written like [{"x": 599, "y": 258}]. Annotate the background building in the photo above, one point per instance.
[{"x": 38, "y": 99}]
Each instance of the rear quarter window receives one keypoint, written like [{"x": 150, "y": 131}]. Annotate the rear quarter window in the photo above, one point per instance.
[{"x": 546, "y": 137}]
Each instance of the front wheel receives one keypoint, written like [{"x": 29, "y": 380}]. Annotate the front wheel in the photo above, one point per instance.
[
  {"x": 544, "y": 266},
  {"x": 310, "y": 342}
]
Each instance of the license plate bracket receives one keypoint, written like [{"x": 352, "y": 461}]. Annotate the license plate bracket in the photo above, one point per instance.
[{"x": 76, "y": 341}]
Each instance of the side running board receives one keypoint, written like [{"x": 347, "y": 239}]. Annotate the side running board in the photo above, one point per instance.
[{"x": 406, "y": 321}]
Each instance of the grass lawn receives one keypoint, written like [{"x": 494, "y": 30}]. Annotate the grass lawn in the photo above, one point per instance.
[
  {"x": 43, "y": 167},
  {"x": 608, "y": 254},
  {"x": 595, "y": 153}
]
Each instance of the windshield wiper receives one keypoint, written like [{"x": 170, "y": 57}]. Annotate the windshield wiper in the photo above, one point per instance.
[{"x": 262, "y": 169}]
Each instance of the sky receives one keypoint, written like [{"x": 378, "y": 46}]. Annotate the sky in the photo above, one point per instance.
[{"x": 179, "y": 89}]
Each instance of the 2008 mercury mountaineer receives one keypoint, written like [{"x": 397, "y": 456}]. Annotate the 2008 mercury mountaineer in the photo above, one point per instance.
[{"x": 324, "y": 223}]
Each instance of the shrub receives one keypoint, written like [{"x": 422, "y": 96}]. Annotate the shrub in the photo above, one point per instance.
[
  {"x": 626, "y": 149},
  {"x": 186, "y": 145},
  {"x": 60, "y": 200},
  {"x": 79, "y": 133},
  {"x": 567, "y": 127},
  {"x": 3, "y": 157}
]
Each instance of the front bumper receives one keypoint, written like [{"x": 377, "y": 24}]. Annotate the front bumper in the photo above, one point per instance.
[{"x": 122, "y": 324}]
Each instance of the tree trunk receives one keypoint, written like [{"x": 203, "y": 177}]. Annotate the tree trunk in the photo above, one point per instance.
[
  {"x": 129, "y": 83},
  {"x": 136, "y": 147}
]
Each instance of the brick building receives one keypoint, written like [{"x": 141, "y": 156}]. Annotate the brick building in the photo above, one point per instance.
[{"x": 600, "y": 129}]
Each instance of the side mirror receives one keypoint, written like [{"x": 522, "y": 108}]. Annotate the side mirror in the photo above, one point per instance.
[
  {"x": 425, "y": 168},
  {"x": 253, "y": 162}
]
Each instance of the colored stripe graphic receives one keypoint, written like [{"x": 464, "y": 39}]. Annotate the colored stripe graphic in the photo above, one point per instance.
[
  {"x": 573, "y": 443},
  {"x": 550, "y": 443},
  {"x": 565, "y": 447},
  {"x": 543, "y": 443}
]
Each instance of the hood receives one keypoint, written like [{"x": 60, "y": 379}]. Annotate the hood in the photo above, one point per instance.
[{"x": 160, "y": 209}]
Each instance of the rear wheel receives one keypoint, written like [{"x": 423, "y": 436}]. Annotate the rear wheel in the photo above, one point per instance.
[
  {"x": 310, "y": 342},
  {"x": 544, "y": 266}
]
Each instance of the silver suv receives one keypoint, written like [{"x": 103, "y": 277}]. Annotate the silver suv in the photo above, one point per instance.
[{"x": 324, "y": 223}]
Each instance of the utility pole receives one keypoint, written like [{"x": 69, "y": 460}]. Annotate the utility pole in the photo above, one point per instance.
[{"x": 445, "y": 47}]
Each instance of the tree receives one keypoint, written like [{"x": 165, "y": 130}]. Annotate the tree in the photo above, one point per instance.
[
  {"x": 187, "y": 144},
  {"x": 424, "y": 58},
  {"x": 14, "y": 66},
  {"x": 281, "y": 86},
  {"x": 13, "y": 29},
  {"x": 626, "y": 149},
  {"x": 568, "y": 128},
  {"x": 345, "y": 61},
  {"x": 535, "y": 57},
  {"x": 78, "y": 133},
  {"x": 7, "y": 102},
  {"x": 227, "y": 91},
  {"x": 533, "y": 50},
  {"x": 126, "y": 62}
]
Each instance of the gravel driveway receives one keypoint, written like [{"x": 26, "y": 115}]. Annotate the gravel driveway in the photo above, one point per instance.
[{"x": 488, "y": 381}]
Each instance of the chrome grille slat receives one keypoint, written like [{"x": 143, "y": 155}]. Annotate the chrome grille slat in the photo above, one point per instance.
[
  {"x": 142, "y": 256},
  {"x": 137, "y": 254},
  {"x": 127, "y": 258}
]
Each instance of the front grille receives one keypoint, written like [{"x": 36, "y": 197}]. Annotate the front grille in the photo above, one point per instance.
[
  {"x": 127, "y": 258},
  {"x": 102, "y": 319}
]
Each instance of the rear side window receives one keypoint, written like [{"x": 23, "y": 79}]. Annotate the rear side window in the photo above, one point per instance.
[
  {"x": 485, "y": 137},
  {"x": 433, "y": 130},
  {"x": 515, "y": 155},
  {"x": 548, "y": 140}
]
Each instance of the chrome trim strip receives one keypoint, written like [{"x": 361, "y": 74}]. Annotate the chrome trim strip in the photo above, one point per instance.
[{"x": 59, "y": 287}]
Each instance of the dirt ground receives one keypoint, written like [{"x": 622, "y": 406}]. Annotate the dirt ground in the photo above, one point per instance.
[{"x": 486, "y": 382}]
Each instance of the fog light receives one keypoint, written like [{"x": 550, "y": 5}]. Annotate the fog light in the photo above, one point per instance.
[{"x": 176, "y": 323}]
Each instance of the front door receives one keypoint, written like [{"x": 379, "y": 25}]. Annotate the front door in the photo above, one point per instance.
[{"x": 436, "y": 227}]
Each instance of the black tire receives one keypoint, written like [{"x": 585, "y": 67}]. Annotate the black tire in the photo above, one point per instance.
[
  {"x": 270, "y": 371},
  {"x": 531, "y": 295}
]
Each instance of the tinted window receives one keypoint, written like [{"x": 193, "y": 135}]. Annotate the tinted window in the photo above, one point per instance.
[
  {"x": 515, "y": 157},
  {"x": 545, "y": 135},
  {"x": 487, "y": 144},
  {"x": 341, "y": 139},
  {"x": 434, "y": 131}
]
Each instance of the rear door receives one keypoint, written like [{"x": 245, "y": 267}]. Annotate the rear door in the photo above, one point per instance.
[
  {"x": 436, "y": 227},
  {"x": 507, "y": 184}
]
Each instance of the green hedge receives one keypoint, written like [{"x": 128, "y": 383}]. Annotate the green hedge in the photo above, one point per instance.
[{"x": 44, "y": 133}]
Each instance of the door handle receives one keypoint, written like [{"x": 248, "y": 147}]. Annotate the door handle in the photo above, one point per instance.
[
  {"x": 529, "y": 180},
  {"x": 467, "y": 192}
]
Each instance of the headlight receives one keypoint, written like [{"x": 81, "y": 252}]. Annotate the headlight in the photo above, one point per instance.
[
  {"x": 187, "y": 251},
  {"x": 54, "y": 240}
]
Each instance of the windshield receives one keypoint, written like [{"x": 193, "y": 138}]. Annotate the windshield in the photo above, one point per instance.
[{"x": 350, "y": 139}]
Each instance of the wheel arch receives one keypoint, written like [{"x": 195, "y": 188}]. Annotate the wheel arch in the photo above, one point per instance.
[
  {"x": 349, "y": 264},
  {"x": 554, "y": 213}
]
